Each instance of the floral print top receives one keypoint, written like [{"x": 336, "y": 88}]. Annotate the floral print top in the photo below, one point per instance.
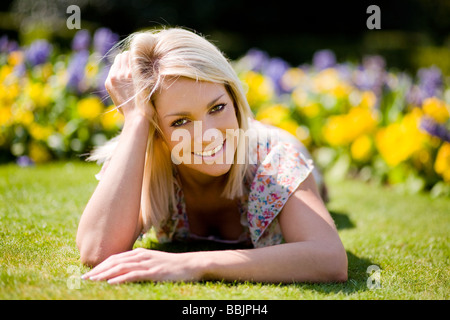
[{"x": 280, "y": 166}]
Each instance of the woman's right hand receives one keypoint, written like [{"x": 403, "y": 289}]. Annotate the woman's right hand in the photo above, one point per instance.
[{"x": 119, "y": 85}]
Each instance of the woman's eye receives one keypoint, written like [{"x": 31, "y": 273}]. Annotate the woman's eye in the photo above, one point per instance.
[
  {"x": 178, "y": 122},
  {"x": 215, "y": 109},
  {"x": 218, "y": 108}
]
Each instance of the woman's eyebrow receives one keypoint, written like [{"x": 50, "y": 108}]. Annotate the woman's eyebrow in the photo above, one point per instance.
[{"x": 186, "y": 113}]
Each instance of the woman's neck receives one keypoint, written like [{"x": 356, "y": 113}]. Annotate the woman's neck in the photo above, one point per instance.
[{"x": 199, "y": 183}]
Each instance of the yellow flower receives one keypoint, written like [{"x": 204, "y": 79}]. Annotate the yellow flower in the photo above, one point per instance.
[
  {"x": 361, "y": 148},
  {"x": 9, "y": 93},
  {"x": 399, "y": 141},
  {"x": 39, "y": 132},
  {"x": 24, "y": 117},
  {"x": 326, "y": 80},
  {"x": 342, "y": 90},
  {"x": 343, "y": 129},
  {"x": 437, "y": 109},
  {"x": 368, "y": 99},
  {"x": 46, "y": 71},
  {"x": 91, "y": 70},
  {"x": 301, "y": 133},
  {"x": 292, "y": 78},
  {"x": 5, "y": 71},
  {"x": 5, "y": 115},
  {"x": 111, "y": 119},
  {"x": 90, "y": 108},
  {"x": 274, "y": 114},
  {"x": 290, "y": 126},
  {"x": 300, "y": 96},
  {"x": 442, "y": 164},
  {"x": 12, "y": 92},
  {"x": 38, "y": 153},
  {"x": 309, "y": 108},
  {"x": 15, "y": 58},
  {"x": 39, "y": 93},
  {"x": 260, "y": 88}
]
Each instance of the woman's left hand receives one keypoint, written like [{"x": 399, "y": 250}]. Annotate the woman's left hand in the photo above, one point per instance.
[{"x": 146, "y": 265}]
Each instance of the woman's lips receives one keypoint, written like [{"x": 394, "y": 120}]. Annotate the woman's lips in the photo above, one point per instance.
[{"x": 211, "y": 153}]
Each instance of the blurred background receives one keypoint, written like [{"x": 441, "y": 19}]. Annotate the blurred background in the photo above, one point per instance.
[
  {"x": 414, "y": 33},
  {"x": 372, "y": 104}
]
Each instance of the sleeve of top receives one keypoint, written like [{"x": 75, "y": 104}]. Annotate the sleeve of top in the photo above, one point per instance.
[{"x": 277, "y": 177}]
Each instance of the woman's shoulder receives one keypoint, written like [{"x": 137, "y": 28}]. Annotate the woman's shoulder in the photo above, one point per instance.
[
  {"x": 283, "y": 163},
  {"x": 273, "y": 148}
]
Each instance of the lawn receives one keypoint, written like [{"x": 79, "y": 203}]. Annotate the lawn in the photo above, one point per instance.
[{"x": 404, "y": 237}]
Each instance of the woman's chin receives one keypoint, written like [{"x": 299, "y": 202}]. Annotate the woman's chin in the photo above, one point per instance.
[{"x": 213, "y": 170}]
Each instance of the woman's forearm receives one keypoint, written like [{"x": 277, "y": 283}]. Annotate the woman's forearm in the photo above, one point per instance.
[
  {"x": 307, "y": 261},
  {"x": 110, "y": 221}
]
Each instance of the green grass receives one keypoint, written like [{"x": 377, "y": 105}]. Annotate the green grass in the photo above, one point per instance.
[{"x": 407, "y": 236}]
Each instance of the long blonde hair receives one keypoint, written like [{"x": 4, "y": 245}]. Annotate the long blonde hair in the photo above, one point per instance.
[{"x": 168, "y": 53}]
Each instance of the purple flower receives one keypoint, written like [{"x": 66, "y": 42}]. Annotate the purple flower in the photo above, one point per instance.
[
  {"x": 345, "y": 71},
  {"x": 3, "y": 43},
  {"x": 38, "y": 52},
  {"x": 104, "y": 39},
  {"x": 430, "y": 81},
  {"x": 275, "y": 69},
  {"x": 435, "y": 129},
  {"x": 24, "y": 161},
  {"x": 75, "y": 70},
  {"x": 414, "y": 96},
  {"x": 374, "y": 63},
  {"x": 20, "y": 70},
  {"x": 324, "y": 59},
  {"x": 371, "y": 75},
  {"x": 8, "y": 45},
  {"x": 256, "y": 59},
  {"x": 81, "y": 41}
]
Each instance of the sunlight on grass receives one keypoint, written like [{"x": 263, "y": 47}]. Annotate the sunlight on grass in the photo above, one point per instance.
[{"x": 407, "y": 236}]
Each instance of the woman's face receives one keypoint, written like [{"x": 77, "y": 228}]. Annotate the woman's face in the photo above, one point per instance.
[{"x": 199, "y": 124}]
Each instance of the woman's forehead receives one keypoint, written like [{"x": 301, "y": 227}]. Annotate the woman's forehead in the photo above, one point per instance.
[{"x": 183, "y": 92}]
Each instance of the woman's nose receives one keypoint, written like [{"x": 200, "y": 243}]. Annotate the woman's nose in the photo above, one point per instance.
[{"x": 206, "y": 132}]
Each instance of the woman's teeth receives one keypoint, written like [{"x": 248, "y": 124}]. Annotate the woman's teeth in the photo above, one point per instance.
[{"x": 209, "y": 153}]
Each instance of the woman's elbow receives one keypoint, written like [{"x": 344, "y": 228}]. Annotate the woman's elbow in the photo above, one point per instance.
[
  {"x": 337, "y": 266},
  {"x": 91, "y": 254},
  {"x": 90, "y": 258}
]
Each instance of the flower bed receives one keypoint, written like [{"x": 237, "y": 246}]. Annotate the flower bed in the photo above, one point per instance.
[
  {"x": 53, "y": 105},
  {"x": 359, "y": 119}
]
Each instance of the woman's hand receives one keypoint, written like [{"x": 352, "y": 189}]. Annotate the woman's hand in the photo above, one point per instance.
[
  {"x": 142, "y": 264},
  {"x": 119, "y": 85}
]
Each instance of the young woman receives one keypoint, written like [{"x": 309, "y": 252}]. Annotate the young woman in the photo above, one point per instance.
[{"x": 188, "y": 165}]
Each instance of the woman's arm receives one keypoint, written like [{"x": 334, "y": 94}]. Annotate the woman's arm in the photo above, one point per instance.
[
  {"x": 313, "y": 253},
  {"x": 110, "y": 222}
]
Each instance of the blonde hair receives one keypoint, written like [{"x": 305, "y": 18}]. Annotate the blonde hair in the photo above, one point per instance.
[{"x": 168, "y": 53}]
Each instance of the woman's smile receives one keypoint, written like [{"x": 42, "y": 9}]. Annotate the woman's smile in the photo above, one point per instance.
[{"x": 213, "y": 153}]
